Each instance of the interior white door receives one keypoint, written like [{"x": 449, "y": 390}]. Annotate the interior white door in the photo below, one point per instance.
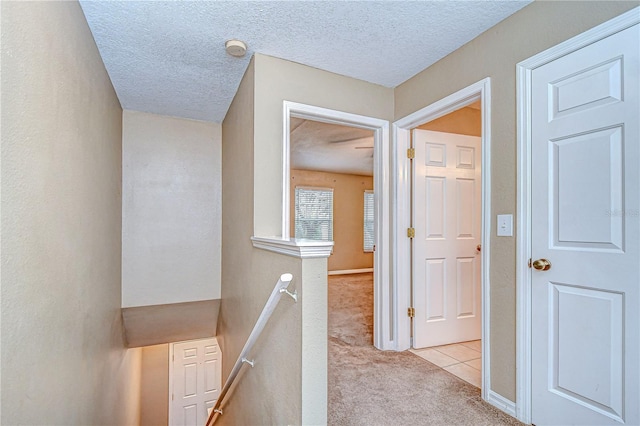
[
  {"x": 447, "y": 222},
  {"x": 585, "y": 213},
  {"x": 196, "y": 377}
]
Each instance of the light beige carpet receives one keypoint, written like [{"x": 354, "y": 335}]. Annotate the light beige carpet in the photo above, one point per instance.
[{"x": 372, "y": 387}]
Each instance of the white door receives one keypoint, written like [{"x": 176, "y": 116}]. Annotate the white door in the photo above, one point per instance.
[
  {"x": 447, "y": 222},
  {"x": 585, "y": 221},
  {"x": 196, "y": 376}
]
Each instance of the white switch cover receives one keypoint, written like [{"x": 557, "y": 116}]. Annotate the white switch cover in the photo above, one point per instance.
[{"x": 505, "y": 225}]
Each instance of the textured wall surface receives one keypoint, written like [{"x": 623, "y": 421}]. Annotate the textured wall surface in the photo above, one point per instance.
[
  {"x": 154, "y": 386},
  {"x": 63, "y": 356},
  {"x": 465, "y": 121},
  {"x": 272, "y": 388},
  {"x": 495, "y": 54},
  {"x": 171, "y": 212},
  {"x": 252, "y": 202},
  {"x": 348, "y": 215}
]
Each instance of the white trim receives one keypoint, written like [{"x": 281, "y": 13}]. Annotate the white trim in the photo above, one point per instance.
[
  {"x": 350, "y": 271},
  {"x": 314, "y": 188},
  {"x": 501, "y": 403},
  {"x": 384, "y": 313},
  {"x": 303, "y": 249},
  {"x": 524, "y": 71},
  {"x": 402, "y": 202}
]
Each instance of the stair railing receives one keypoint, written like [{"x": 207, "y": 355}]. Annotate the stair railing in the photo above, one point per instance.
[{"x": 269, "y": 307}]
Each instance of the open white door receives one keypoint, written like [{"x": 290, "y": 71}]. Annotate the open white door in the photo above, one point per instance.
[
  {"x": 585, "y": 228},
  {"x": 195, "y": 377},
  {"x": 446, "y": 251}
]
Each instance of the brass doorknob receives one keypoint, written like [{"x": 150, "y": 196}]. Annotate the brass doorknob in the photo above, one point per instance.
[{"x": 541, "y": 264}]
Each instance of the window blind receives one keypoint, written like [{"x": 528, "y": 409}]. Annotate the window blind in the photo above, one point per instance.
[
  {"x": 314, "y": 213},
  {"x": 368, "y": 221}
]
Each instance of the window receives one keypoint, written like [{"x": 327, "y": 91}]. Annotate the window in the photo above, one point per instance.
[
  {"x": 314, "y": 213},
  {"x": 368, "y": 221}
]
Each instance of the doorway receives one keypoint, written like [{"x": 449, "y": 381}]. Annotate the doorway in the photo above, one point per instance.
[
  {"x": 332, "y": 199},
  {"x": 383, "y": 312},
  {"x": 447, "y": 239},
  {"x": 477, "y": 96}
]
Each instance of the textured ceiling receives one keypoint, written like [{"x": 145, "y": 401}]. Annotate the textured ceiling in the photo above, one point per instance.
[
  {"x": 167, "y": 57},
  {"x": 331, "y": 148}
]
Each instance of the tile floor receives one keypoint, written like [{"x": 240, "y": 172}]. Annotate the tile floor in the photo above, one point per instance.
[{"x": 461, "y": 359}]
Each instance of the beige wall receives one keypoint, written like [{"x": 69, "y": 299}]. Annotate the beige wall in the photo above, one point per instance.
[
  {"x": 154, "y": 386},
  {"x": 293, "y": 348},
  {"x": 348, "y": 215},
  {"x": 294, "y": 345},
  {"x": 465, "y": 121},
  {"x": 63, "y": 357},
  {"x": 273, "y": 387},
  {"x": 495, "y": 54},
  {"x": 171, "y": 213},
  {"x": 278, "y": 80}
]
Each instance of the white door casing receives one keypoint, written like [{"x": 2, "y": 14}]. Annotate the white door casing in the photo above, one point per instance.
[
  {"x": 447, "y": 289},
  {"x": 585, "y": 219},
  {"x": 195, "y": 379}
]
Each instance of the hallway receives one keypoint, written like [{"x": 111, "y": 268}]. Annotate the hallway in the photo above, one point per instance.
[{"x": 372, "y": 387}]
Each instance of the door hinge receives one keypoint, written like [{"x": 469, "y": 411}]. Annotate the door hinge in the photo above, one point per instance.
[
  {"x": 411, "y": 153},
  {"x": 411, "y": 232},
  {"x": 529, "y": 262},
  {"x": 411, "y": 312}
]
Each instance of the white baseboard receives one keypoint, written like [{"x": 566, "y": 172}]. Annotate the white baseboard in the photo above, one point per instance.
[
  {"x": 350, "y": 271},
  {"x": 502, "y": 403}
]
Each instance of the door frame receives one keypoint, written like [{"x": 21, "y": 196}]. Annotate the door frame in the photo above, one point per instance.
[
  {"x": 524, "y": 72},
  {"x": 383, "y": 313},
  {"x": 402, "y": 204}
]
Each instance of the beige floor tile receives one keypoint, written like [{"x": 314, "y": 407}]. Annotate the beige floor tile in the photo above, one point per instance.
[
  {"x": 435, "y": 357},
  {"x": 466, "y": 373},
  {"x": 475, "y": 363},
  {"x": 459, "y": 352},
  {"x": 476, "y": 345}
]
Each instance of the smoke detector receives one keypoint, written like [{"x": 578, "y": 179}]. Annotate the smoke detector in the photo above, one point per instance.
[{"x": 236, "y": 48}]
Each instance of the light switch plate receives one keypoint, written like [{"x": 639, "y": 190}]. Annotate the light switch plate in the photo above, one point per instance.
[{"x": 505, "y": 225}]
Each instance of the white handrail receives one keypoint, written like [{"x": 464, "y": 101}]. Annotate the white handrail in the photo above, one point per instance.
[{"x": 269, "y": 307}]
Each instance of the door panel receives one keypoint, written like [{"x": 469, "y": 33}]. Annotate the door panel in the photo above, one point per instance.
[
  {"x": 447, "y": 216},
  {"x": 595, "y": 319},
  {"x": 582, "y": 193},
  {"x": 585, "y": 220},
  {"x": 196, "y": 381}
]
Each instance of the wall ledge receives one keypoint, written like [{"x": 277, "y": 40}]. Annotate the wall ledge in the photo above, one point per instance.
[{"x": 303, "y": 249}]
